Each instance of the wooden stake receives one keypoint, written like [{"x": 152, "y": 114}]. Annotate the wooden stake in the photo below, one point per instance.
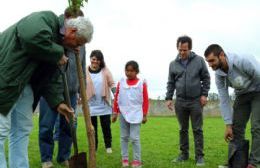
[{"x": 85, "y": 108}]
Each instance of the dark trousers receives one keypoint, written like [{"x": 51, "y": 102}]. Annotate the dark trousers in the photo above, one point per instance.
[
  {"x": 105, "y": 121},
  {"x": 185, "y": 110},
  {"x": 244, "y": 106},
  {"x": 47, "y": 121}
]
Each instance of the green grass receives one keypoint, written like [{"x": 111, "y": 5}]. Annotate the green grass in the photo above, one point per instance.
[{"x": 159, "y": 140}]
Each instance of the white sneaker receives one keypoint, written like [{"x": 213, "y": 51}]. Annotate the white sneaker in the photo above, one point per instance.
[
  {"x": 47, "y": 164},
  {"x": 109, "y": 150},
  {"x": 65, "y": 163},
  {"x": 222, "y": 166}
]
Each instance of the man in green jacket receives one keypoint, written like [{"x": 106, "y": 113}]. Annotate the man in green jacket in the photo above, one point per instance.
[{"x": 35, "y": 42}]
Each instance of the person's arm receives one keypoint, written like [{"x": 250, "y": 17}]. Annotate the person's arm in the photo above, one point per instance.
[
  {"x": 110, "y": 80},
  {"x": 205, "y": 83},
  {"x": 205, "y": 79},
  {"x": 170, "y": 83},
  {"x": 36, "y": 35},
  {"x": 225, "y": 106},
  {"x": 116, "y": 107},
  {"x": 145, "y": 102},
  {"x": 145, "y": 99},
  {"x": 170, "y": 88},
  {"x": 225, "y": 102}
]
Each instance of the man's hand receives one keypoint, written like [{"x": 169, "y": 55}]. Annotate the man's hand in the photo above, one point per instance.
[
  {"x": 169, "y": 104},
  {"x": 203, "y": 100},
  {"x": 228, "y": 133},
  {"x": 63, "y": 60},
  {"x": 114, "y": 117},
  {"x": 144, "y": 119},
  {"x": 66, "y": 111}
]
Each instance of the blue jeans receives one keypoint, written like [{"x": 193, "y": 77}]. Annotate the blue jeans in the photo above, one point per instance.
[
  {"x": 57, "y": 127},
  {"x": 47, "y": 121},
  {"x": 17, "y": 125},
  {"x": 131, "y": 132}
]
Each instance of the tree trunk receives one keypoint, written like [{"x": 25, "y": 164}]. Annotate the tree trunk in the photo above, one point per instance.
[{"x": 85, "y": 108}]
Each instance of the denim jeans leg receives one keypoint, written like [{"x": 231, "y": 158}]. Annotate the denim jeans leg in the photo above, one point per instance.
[
  {"x": 135, "y": 138},
  {"x": 21, "y": 126},
  {"x": 74, "y": 102},
  {"x": 65, "y": 140},
  {"x": 125, "y": 133},
  {"x": 46, "y": 125},
  {"x": 5, "y": 125},
  {"x": 56, "y": 128}
]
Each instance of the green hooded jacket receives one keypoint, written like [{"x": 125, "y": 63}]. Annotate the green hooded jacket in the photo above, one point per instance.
[{"x": 24, "y": 47}]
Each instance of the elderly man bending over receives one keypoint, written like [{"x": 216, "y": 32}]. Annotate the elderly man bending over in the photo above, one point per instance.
[{"x": 30, "y": 52}]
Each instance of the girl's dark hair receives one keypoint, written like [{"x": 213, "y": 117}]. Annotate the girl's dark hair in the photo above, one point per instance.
[
  {"x": 99, "y": 55},
  {"x": 133, "y": 64}
]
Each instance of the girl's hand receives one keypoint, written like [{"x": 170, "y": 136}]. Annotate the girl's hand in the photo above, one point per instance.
[
  {"x": 114, "y": 117},
  {"x": 144, "y": 119}
]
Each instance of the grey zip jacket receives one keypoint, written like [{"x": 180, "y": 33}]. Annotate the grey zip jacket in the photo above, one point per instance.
[
  {"x": 243, "y": 75},
  {"x": 190, "y": 82},
  {"x": 72, "y": 73}
]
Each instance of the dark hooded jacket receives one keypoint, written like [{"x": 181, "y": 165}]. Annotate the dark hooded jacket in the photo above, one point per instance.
[{"x": 190, "y": 82}]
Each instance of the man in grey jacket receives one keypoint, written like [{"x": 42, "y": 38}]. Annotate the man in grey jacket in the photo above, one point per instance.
[
  {"x": 241, "y": 72},
  {"x": 189, "y": 76}
]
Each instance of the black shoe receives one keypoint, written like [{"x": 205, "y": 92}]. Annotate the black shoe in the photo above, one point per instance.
[{"x": 181, "y": 158}]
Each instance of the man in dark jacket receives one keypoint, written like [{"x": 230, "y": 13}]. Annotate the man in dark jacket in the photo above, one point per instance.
[
  {"x": 28, "y": 49},
  {"x": 48, "y": 117},
  {"x": 189, "y": 76}
]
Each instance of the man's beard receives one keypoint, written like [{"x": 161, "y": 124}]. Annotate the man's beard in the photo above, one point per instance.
[{"x": 220, "y": 65}]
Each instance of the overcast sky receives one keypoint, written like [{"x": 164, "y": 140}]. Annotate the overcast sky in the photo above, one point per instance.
[{"x": 146, "y": 30}]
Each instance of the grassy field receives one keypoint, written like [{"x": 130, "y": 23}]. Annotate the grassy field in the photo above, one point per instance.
[{"x": 159, "y": 139}]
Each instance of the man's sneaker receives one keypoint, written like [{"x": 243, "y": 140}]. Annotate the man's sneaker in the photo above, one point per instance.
[
  {"x": 65, "y": 163},
  {"x": 200, "y": 161},
  {"x": 109, "y": 150},
  {"x": 223, "y": 166},
  {"x": 125, "y": 163},
  {"x": 136, "y": 164},
  {"x": 47, "y": 164},
  {"x": 180, "y": 158}
]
